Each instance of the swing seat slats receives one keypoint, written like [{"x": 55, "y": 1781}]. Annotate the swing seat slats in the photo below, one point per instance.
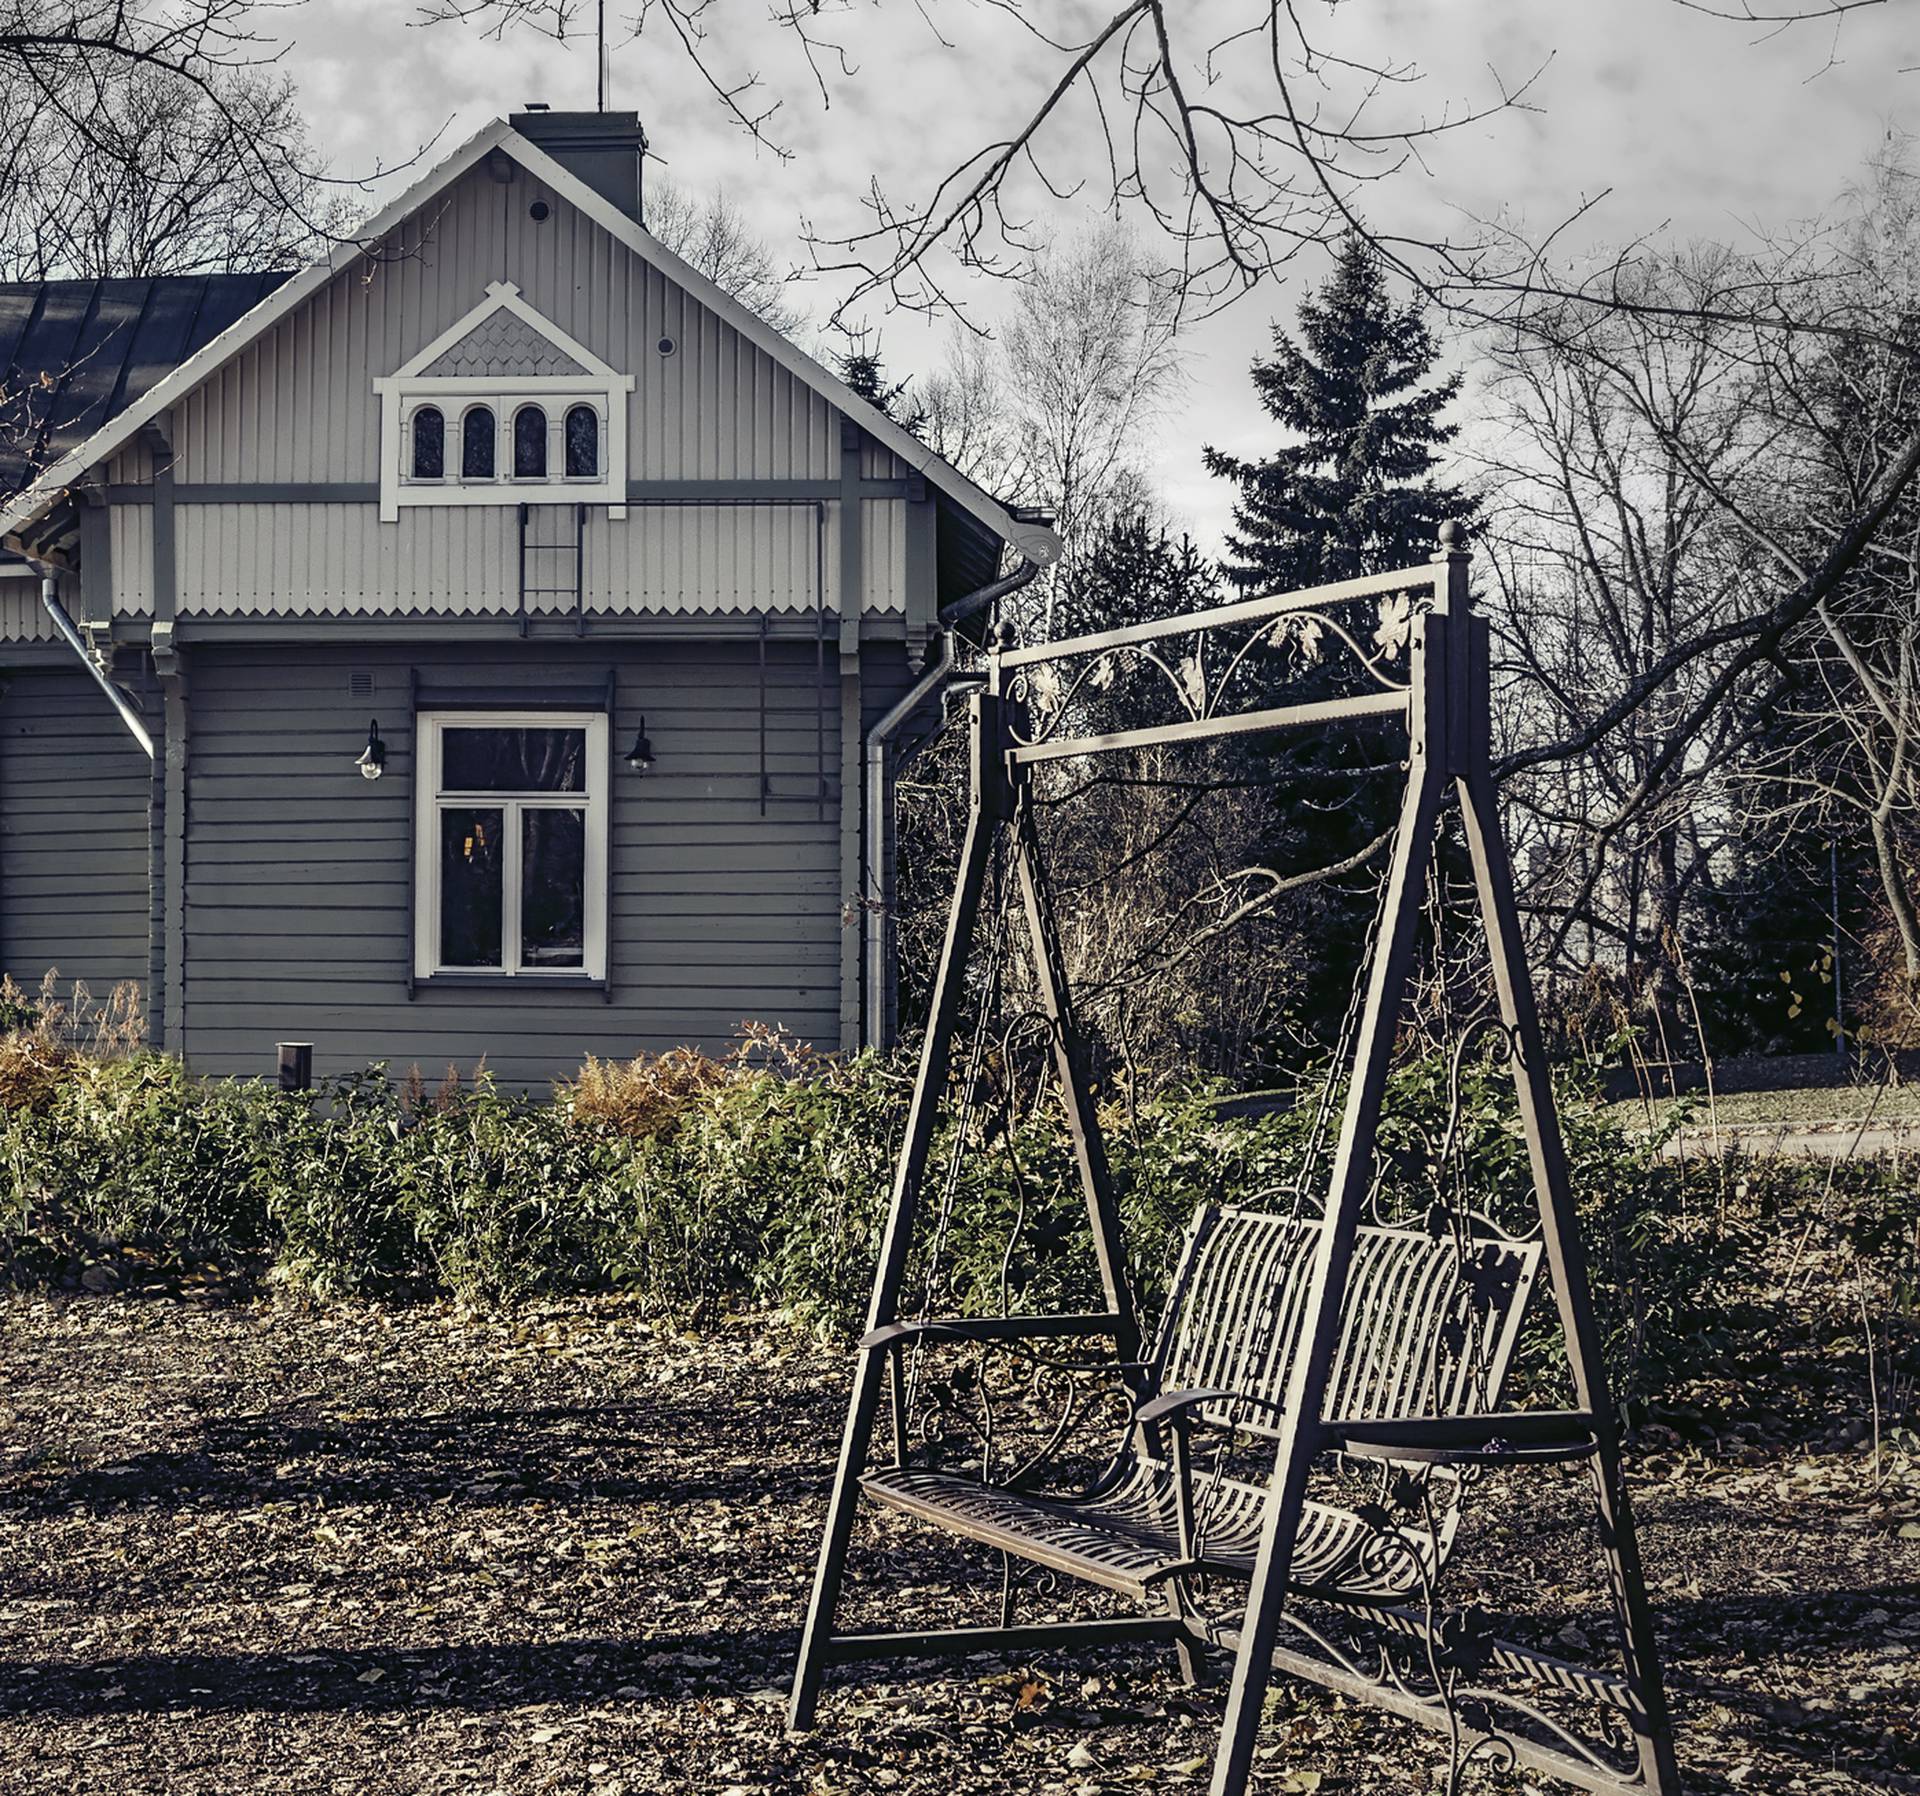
[
  {"x": 1428, "y": 1331},
  {"x": 1129, "y": 1542}
]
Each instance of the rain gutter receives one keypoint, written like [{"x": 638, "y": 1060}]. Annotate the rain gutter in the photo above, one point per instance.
[{"x": 50, "y": 601}]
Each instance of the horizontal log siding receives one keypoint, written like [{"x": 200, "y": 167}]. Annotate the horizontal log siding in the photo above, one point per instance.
[
  {"x": 73, "y": 832},
  {"x": 299, "y": 871}
]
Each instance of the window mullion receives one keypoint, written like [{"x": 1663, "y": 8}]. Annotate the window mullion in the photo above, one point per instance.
[{"x": 510, "y": 898}]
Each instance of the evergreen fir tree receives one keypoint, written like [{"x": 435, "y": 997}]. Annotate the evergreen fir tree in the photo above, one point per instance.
[
  {"x": 1355, "y": 494},
  {"x": 1135, "y": 573},
  {"x": 865, "y": 372}
]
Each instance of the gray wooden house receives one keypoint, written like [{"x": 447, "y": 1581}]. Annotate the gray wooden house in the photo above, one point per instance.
[{"x": 490, "y": 640}]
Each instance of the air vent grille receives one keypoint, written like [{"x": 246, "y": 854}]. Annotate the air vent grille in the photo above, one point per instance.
[{"x": 360, "y": 685}]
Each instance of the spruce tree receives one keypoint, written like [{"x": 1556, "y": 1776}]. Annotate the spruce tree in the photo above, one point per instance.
[
  {"x": 862, "y": 368},
  {"x": 1355, "y": 494}
]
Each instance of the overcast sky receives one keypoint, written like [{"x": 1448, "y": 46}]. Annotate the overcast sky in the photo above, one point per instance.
[{"x": 1699, "y": 127}]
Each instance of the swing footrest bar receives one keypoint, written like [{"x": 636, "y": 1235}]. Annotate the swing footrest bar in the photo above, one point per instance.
[
  {"x": 992, "y": 1328},
  {"x": 1396, "y": 1700},
  {"x": 961, "y": 1643},
  {"x": 1526, "y": 1661},
  {"x": 1520, "y": 1436}
]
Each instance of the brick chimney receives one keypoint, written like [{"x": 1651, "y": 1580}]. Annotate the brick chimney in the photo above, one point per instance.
[{"x": 603, "y": 148}]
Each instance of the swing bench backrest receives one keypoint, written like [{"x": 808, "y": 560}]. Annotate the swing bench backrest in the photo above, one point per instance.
[{"x": 1428, "y": 1326}]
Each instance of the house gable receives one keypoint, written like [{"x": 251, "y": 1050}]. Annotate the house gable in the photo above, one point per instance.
[{"x": 491, "y": 178}]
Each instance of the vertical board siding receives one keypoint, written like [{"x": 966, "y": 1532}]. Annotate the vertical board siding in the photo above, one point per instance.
[
  {"x": 22, "y": 617},
  {"x": 883, "y": 556},
  {"x": 73, "y": 833},
  {"x": 299, "y": 871},
  {"x": 340, "y": 560},
  {"x": 298, "y": 405},
  {"x": 130, "y": 550}
]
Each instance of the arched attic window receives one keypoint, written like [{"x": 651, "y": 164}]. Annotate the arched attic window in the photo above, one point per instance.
[
  {"x": 530, "y": 443},
  {"x": 583, "y": 443},
  {"x": 429, "y": 444},
  {"x": 477, "y": 443}
]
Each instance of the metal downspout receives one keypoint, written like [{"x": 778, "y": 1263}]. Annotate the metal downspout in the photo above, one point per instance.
[
  {"x": 50, "y": 600},
  {"x": 879, "y": 794}
]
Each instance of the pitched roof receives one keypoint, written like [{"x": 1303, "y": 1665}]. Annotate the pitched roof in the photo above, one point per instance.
[
  {"x": 1033, "y": 540},
  {"x": 75, "y": 354}
]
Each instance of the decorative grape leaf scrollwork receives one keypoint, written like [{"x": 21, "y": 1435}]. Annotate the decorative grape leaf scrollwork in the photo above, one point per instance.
[{"x": 1202, "y": 676}]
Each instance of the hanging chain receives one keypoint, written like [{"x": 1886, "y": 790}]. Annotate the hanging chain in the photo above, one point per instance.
[
  {"x": 963, "y": 1121},
  {"x": 1326, "y": 1104}
]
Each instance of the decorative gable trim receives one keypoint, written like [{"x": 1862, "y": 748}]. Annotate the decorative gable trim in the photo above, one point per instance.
[
  {"x": 476, "y": 380},
  {"x": 503, "y": 344}
]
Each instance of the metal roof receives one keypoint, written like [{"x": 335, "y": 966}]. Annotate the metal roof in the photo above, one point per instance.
[{"x": 74, "y": 354}]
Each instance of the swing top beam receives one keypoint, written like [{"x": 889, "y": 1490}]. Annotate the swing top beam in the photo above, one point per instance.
[
  {"x": 1431, "y": 582},
  {"x": 1431, "y": 578}
]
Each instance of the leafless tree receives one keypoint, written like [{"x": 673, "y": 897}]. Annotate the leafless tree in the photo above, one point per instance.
[
  {"x": 1236, "y": 136},
  {"x": 1056, "y": 411},
  {"x": 713, "y": 235},
  {"x": 67, "y": 70},
  {"x": 160, "y": 179},
  {"x": 1845, "y": 747},
  {"x": 1702, "y": 541},
  {"x": 1609, "y": 556}
]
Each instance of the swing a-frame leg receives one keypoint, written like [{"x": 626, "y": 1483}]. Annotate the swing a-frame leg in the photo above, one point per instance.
[
  {"x": 993, "y": 811},
  {"x": 1138, "y": 1532}
]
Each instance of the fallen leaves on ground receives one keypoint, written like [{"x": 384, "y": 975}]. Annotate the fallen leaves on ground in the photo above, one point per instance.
[{"x": 254, "y": 1548}]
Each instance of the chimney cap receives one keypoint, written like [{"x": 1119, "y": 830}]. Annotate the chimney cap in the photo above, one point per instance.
[{"x": 536, "y": 106}]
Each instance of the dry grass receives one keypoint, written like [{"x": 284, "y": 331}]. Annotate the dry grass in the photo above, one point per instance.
[
  {"x": 645, "y": 1096},
  {"x": 51, "y": 1035}
]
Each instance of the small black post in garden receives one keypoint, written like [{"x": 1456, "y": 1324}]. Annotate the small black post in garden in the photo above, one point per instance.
[{"x": 296, "y": 1065}]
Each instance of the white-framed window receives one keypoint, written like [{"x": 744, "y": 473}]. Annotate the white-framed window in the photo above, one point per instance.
[
  {"x": 581, "y": 443},
  {"x": 426, "y": 452},
  {"x": 502, "y": 400},
  {"x": 510, "y": 866}
]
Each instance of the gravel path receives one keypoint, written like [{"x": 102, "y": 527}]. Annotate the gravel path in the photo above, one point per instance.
[{"x": 253, "y": 1548}]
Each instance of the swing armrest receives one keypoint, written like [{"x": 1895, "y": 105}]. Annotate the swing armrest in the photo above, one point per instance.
[
  {"x": 1172, "y": 1406},
  {"x": 1520, "y": 1435},
  {"x": 989, "y": 1328}
]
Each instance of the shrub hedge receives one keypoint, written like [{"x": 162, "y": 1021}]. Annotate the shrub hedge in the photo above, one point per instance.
[{"x": 763, "y": 1178}]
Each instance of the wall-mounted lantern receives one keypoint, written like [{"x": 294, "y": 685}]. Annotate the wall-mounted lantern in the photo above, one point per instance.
[
  {"x": 372, "y": 760},
  {"x": 640, "y": 755}
]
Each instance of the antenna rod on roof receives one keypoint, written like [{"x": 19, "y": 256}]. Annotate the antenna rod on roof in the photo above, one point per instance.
[{"x": 601, "y": 64}]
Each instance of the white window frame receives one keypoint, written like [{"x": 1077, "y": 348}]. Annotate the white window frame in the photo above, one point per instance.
[
  {"x": 430, "y": 799},
  {"x": 408, "y": 388}
]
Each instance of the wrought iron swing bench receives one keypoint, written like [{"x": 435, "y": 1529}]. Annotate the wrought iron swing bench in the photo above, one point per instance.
[
  {"x": 1428, "y": 1337},
  {"x": 1330, "y": 1336}
]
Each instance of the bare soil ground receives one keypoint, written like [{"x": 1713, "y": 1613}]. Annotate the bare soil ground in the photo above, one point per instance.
[{"x": 246, "y": 1547}]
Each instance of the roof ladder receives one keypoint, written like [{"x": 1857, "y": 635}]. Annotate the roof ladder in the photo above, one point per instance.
[{"x": 561, "y": 586}]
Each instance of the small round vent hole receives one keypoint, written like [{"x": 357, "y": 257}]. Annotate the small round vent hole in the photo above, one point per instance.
[
  {"x": 539, "y": 211},
  {"x": 666, "y": 346}
]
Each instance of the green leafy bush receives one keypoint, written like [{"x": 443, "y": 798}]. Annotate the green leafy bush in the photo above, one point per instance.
[{"x": 763, "y": 1178}]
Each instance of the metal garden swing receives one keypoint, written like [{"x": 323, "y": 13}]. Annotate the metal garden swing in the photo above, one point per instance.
[{"x": 1320, "y": 1334}]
